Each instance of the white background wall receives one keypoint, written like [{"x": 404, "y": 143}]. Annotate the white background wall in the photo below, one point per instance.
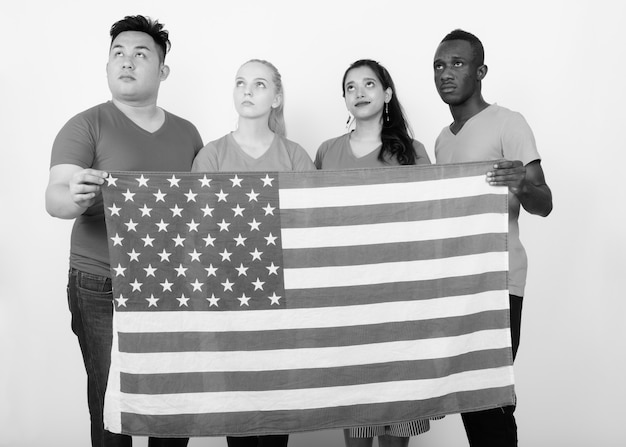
[{"x": 562, "y": 64}]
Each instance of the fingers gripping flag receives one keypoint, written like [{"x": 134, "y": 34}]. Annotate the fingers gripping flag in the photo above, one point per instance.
[{"x": 266, "y": 302}]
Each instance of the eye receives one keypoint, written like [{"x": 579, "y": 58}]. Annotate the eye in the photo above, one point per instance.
[
  {"x": 370, "y": 84},
  {"x": 350, "y": 88},
  {"x": 238, "y": 83},
  {"x": 458, "y": 64},
  {"x": 438, "y": 66},
  {"x": 140, "y": 55},
  {"x": 260, "y": 84}
]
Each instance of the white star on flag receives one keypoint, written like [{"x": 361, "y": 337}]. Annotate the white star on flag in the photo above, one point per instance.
[
  {"x": 115, "y": 211},
  {"x": 236, "y": 181},
  {"x": 117, "y": 240},
  {"x": 143, "y": 181},
  {"x": 191, "y": 196},
  {"x": 121, "y": 301},
  {"x": 167, "y": 286},
  {"x": 160, "y": 197},
  {"x": 128, "y": 196},
  {"x": 136, "y": 285},
  {"x": 145, "y": 211},
  {"x": 111, "y": 180},
  {"x": 211, "y": 271},
  {"x": 176, "y": 211},
  {"x": 267, "y": 180},
  {"x": 134, "y": 256},
  {"x": 213, "y": 300},
  {"x": 152, "y": 301},
  {"x": 252, "y": 195},
  {"x": 119, "y": 270},
  {"x": 173, "y": 181},
  {"x": 204, "y": 181}
]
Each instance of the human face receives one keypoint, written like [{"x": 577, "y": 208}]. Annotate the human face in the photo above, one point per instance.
[
  {"x": 135, "y": 70},
  {"x": 364, "y": 93},
  {"x": 457, "y": 77},
  {"x": 255, "y": 94}
]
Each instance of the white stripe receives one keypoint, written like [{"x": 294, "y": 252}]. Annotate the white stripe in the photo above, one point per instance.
[
  {"x": 392, "y": 272},
  {"x": 391, "y": 232},
  {"x": 305, "y": 399},
  {"x": 324, "y": 317},
  {"x": 335, "y": 196},
  {"x": 306, "y": 358}
]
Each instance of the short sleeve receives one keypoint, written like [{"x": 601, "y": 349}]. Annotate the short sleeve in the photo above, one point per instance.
[
  {"x": 75, "y": 144},
  {"x": 206, "y": 160},
  {"x": 421, "y": 156},
  {"x": 518, "y": 140},
  {"x": 300, "y": 159}
]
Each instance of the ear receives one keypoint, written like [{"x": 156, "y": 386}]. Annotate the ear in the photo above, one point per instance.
[
  {"x": 388, "y": 94},
  {"x": 165, "y": 72},
  {"x": 481, "y": 72},
  {"x": 278, "y": 99}
]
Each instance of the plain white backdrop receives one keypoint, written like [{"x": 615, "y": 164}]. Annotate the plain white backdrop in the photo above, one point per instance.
[{"x": 562, "y": 64}]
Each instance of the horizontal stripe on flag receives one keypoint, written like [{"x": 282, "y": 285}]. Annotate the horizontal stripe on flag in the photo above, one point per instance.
[
  {"x": 366, "y": 234},
  {"x": 392, "y": 174},
  {"x": 305, "y": 358},
  {"x": 359, "y": 195},
  {"x": 382, "y": 213},
  {"x": 309, "y": 338},
  {"x": 321, "y": 397},
  {"x": 138, "y": 322},
  {"x": 400, "y": 251},
  {"x": 400, "y": 291},
  {"x": 198, "y": 382},
  {"x": 390, "y": 272},
  {"x": 289, "y": 421}
]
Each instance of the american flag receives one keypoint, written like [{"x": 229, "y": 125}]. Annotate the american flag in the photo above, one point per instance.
[{"x": 279, "y": 302}]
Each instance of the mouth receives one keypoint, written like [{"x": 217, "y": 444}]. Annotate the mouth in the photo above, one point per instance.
[
  {"x": 447, "y": 88},
  {"x": 247, "y": 103},
  {"x": 362, "y": 103},
  {"x": 126, "y": 78}
]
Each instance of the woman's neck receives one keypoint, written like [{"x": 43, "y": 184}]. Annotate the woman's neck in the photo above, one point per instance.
[
  {"x": 367, "y": 131},
  {"x": 365, "y": 138},
  {"x": 253, "y": 136}
]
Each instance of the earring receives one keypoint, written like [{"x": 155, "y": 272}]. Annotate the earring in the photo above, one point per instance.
[
  {"x": 349, "y": 121},
  {"x": 387, "y": 110}
]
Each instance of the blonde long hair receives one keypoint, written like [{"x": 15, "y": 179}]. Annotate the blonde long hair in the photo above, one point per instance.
[{"x": 276, "y": 120}]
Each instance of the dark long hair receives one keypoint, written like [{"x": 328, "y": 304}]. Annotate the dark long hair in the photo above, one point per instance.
[{"x": 396, "y": 134}]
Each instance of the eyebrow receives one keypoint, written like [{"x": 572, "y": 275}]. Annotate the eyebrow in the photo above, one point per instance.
[
  {"x": 255, "y": 79},
  {"x": 364, "y": 79},
  {"x": 139, "y": 47}
]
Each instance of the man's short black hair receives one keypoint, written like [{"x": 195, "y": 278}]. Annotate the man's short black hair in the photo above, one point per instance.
[
  {"x": 145, "y": 25},
  {"x": 476, "y": 44}
]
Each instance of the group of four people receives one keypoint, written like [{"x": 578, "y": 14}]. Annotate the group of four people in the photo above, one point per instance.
[{"x": 132, "y": 133}]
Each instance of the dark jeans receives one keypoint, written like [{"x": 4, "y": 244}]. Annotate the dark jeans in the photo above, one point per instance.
[
  {"x": 258, "y": 441},
  {"x": 91, "y": 303},
  {"x": 496, "y": 427}
]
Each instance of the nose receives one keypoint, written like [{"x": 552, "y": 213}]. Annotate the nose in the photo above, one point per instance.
[{"x": 128, "y": 63}]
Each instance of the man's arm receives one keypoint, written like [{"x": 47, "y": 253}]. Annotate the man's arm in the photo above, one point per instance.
[
  {"x": 526, "y": 182},
  {"x": 72, "y": 189}
]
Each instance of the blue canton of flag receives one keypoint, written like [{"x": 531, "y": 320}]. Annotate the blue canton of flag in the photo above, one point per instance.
[{"x": 196, "y": 243}]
